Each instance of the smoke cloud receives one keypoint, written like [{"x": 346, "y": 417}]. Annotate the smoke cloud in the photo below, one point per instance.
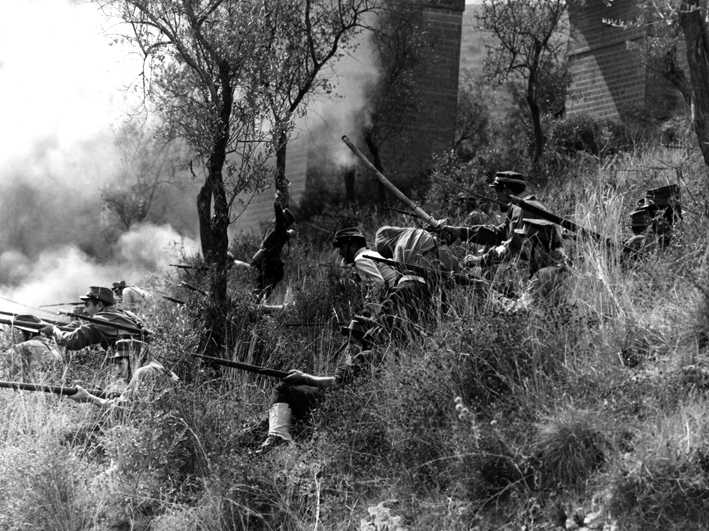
[{"x": 60, "y": 97}]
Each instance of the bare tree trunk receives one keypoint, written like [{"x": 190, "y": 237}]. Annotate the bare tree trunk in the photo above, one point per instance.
[
  {"x": 281, "y": 181},
  {"x": 695, "y": 36},
  {"x": 204, "y": 213},
  {"x": 538, "y": 138}
]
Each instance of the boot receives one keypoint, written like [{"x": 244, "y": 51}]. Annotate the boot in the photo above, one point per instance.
[{"x": 279, "y": 426}]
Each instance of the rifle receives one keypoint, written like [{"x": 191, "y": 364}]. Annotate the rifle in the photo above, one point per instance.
[
  {"x": 185, "y": 266},
  {"x": 415, "y": 209},
  {"x": 30, "y": 324},
  {"x": 11, "y": 314},
  {"x": 80, "y": 303},
  {"x": 244, "y": 366},
  {"x": 56, "y": 389},
  {"x": 171, "y": 299},
  {"x": 565, "y": 223},
  {"x": 133, "y": 330},
  {"x": 193, "y": 288},
  {"x": 459, "y": 278}
]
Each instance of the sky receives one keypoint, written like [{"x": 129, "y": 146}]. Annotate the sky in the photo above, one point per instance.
[{"x": 61, "y": 99}]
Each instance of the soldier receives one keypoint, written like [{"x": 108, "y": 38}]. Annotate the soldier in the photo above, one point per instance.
[
  {"x": 99, "y": 304},
  {"x": 131, "y": 297},
  {"x": 507, "y": 243},
  {"x": 377, "y": 277},
  {"x": 652, "y": 220},
  {"x": 268, "y": 258},
  {"x": 130, "y": 371},
  {"x": 298, "y": 393},
  {"x": 415, "y": 250},
  {"x": 33, "y": 356}
]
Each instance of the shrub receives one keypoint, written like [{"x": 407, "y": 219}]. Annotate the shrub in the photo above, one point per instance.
[{"x": 570, "y": 445}]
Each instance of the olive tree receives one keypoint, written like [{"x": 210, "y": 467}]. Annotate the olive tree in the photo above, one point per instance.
[
  {"x": 301, "y": 41},
  {"x": 673, "y": 28},
  {"x": 197, "y": 58},
  {"x": 526, "y": 45}
]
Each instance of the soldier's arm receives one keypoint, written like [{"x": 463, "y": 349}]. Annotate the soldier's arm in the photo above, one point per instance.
[
  {"x": 84, "y": 336},
  {"x": 480, "y": 234}
]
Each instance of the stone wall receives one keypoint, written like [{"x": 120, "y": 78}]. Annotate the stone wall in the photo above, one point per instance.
[
  {"x": 609, "y": 80},
  {"x": 429, "y": 131}
]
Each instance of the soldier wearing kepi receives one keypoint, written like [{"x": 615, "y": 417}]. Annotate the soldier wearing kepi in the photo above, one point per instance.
[
  {"x": 652, "y": 221},
  {"x": 99, "y": 304},
  {"x": 131, "y": 297},
  {"x": 132, "y": 372},
  {"x": 33, "y": 356},
  {"x": 377, "y": 277},
  {"x": 507, "y": 243},
  {"x": 298, "y": 393}
]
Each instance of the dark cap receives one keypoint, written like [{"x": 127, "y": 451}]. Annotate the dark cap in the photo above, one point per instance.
[
  {"x": 124, "y": 348},
  {"x": 26, "y": 318},
  {"x": 345, "y": 235},
  {"x": 508, "y": 178},
  {"x": 104, "y": 295}
]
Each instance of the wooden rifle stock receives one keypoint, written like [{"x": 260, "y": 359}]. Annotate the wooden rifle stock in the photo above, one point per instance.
[
  {"x": 415, "y": 209},
  {"x": 244, "y": 366},
  {"x": 56, "y": 389}
]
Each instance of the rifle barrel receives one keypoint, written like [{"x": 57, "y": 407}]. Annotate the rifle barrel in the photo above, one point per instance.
[
  {"x": 56, "y": 389},
  {"x": 193, "y": 288},
  {"x": 545, "y": 214},
  {"x": 244, "y": 366},
  {"x": 137, "y": 331},
  {"x": 30, "y": 324},
  {"x": 386, "y": 182}
]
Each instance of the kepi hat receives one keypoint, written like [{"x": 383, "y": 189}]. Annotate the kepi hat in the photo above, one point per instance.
[
  {"x": 350, "y": 233},
  {"x": 26, "y": 318},
  {"x": 505, "y": 178},
  {"x": 104, "y": 295}
]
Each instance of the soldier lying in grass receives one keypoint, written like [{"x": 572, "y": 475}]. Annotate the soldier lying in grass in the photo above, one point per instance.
[{"x": 299, "y": 392}]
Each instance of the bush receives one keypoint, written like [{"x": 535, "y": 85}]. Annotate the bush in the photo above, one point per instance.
[{"x": 570, "y": 445}]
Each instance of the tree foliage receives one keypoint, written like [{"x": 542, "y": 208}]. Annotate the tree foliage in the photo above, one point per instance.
[
  {"x": 147, "y": 164},
  {"x": 527, "y": 46},
  {"x": 300, "y": 41},
  {"x": 676, "y": 27}
]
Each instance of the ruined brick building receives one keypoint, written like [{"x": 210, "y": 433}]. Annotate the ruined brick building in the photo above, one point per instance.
[
  {"x": 609, "y": 80},
  {"x": 430, "y": 130}
]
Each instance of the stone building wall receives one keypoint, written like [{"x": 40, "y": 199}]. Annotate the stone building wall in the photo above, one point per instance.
[
  {"x": 429, "y": 131},
  {"x": 609, "y": 80}
]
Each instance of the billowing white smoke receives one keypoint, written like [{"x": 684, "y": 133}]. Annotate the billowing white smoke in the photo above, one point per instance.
[
  {"x": 344, "y": 111},
  {"x": 62, "y": 274},
  {"x": 58, "y": 153}
]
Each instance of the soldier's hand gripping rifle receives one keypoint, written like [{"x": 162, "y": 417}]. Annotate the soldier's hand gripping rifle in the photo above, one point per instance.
[
  {"x": 56, "y": 389},
  {"x": 243, "y": 366},
  {"x": 435, "y": 224}
]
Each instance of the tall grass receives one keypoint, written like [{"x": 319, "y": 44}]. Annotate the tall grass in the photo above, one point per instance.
[{"x": 593, "y": 406}]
